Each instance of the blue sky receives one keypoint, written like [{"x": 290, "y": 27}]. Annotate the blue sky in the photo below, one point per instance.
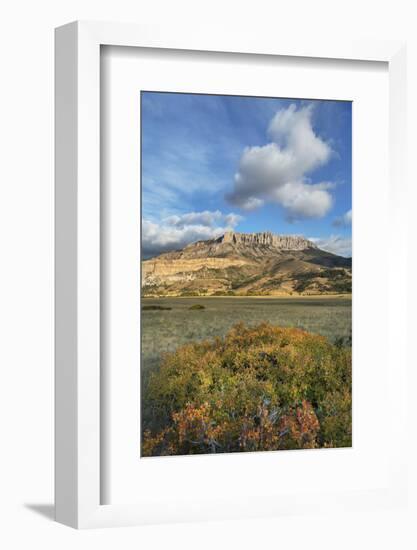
[{"x": 214, "y": 163}]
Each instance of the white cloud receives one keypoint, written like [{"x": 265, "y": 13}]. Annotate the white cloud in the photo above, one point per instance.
[
  {"x": 278, "y": 171},
  {"x": 342, "y": 246},
  {"x": 344, "y": 220},
  {"x": 175, "y": 232},
  {"x": 207, "y": 218}
]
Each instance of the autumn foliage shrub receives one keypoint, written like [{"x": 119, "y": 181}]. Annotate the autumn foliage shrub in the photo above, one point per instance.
[{"x": 258, "y": 388}]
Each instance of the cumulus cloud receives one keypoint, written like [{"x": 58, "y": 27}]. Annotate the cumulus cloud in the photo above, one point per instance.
[
  {"x": 175, "y": 232},
  {"x": 207, "y": 218},
  {"x": 344, "y": 220},
  {"x": 342, "y": 246},
  {"x": 278, "y": 171}
]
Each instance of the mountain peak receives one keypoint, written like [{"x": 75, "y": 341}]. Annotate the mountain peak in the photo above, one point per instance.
[{"x": 266, "y": 238}]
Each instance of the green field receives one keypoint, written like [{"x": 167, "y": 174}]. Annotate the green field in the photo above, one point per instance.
[{"x": 166, "y": 329}]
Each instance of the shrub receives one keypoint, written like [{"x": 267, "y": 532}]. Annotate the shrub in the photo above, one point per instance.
[
  {"x": 258, "y": 388},
  {"x": 156, "y": 308},
  {"x": 189, "y": 293}
]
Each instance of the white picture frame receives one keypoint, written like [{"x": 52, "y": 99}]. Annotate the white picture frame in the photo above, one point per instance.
[{"x": 78, "y": 405}]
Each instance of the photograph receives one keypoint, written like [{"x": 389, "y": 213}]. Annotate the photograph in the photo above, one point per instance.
[{"x": 246, "y": 273}]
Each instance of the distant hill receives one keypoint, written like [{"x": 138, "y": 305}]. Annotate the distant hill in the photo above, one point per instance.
[{"x": 247, "y": 264}]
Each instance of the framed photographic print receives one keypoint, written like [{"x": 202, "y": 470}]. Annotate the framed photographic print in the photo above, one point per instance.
[{"x": 229, "y": 340}]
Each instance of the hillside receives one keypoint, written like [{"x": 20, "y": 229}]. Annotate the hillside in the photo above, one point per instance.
[{"x": 247, "y": 264}]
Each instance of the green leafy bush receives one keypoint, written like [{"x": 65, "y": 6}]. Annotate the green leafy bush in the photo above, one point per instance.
[{"x": 258, "y": 388}]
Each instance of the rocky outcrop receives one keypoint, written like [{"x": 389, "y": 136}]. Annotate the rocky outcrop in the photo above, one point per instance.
[
  {"x": 266, "y": 238},
  {"x": 156, "y": 271}
]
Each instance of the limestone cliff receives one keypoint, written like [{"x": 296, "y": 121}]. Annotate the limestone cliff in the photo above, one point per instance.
[{"x": 282, "y": 242}]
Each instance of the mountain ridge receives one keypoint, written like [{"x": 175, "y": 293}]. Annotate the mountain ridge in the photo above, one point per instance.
[
  {"x": 283, "y": 242},
  {"x": 247, "y": 264}
]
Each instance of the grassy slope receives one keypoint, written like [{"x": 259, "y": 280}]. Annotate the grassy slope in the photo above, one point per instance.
[{"x": 311, "y": 271}]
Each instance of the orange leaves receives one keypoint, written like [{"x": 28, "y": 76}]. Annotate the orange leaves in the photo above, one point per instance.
[
  {"x": 300, "y": 428},
  {"x": 192, "y": 423},
  {"x": 260, "y": 432}
]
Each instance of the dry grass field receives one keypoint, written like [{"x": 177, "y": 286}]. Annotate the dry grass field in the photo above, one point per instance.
[{"x": 167, "y": 323}]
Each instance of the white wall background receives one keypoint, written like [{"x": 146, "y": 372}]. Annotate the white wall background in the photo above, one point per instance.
[{"x": 26, "y": 272}]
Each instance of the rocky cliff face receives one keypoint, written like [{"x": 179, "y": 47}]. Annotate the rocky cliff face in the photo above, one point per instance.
[
  {"x": 282, "y": 242},
  {"x": 246, "y": 263}
]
